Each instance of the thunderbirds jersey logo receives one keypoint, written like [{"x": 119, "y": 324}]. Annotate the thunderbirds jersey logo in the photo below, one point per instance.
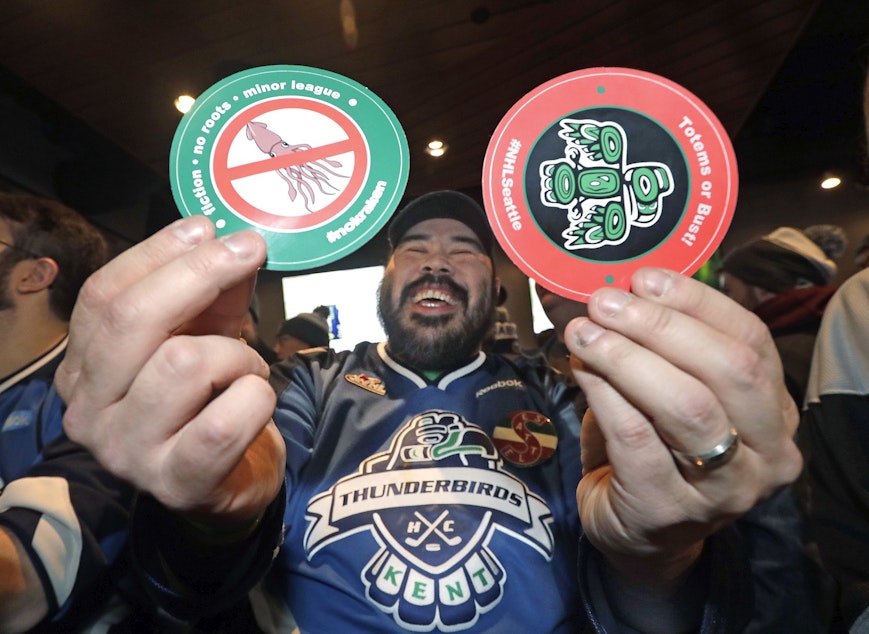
[
  {"x": 432, "y": 503},
  {"x": 602, "y": 194}
]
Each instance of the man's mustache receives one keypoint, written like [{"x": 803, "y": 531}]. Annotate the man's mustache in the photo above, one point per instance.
[{"x": 428, "y": 279}]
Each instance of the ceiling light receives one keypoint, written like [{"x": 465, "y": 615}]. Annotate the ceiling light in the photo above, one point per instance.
[
  {"x": 830, "y": 181},
  {"x": 183, "y": 103},
  {"x": 436, "y": 148},
  {"x": 348, "y": 24}
]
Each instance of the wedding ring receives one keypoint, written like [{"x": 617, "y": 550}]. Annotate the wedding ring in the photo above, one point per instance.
[{"x": 716, "y": 457}]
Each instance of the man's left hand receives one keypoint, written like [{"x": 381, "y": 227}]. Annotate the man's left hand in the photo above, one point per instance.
[{"x": 670, "y": 369}]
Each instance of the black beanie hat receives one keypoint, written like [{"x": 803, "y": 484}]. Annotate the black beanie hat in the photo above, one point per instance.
[
  {"x": 780, "y": 261},
  {"x": 307, "y": 327},
  {"x": 442, "y": 204}
]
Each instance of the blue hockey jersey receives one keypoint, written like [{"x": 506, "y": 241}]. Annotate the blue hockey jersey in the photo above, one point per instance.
[
  {"x": 67, "y": 512},
  {"x": 416, "y": 506}
]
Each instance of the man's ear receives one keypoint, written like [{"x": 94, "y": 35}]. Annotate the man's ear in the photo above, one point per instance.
[{"x": 40, "y": 275}]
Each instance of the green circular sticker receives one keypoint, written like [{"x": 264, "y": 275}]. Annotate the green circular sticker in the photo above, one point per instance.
[{"x": 312, "y": 160}]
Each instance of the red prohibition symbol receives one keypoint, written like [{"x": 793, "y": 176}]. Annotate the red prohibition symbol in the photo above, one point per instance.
[{"x": 225, "y": 176}]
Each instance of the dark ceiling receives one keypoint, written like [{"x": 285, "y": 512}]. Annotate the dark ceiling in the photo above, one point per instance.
[
  {"x": 86, "y": 87},
  {"x": 810, "y": 117}
]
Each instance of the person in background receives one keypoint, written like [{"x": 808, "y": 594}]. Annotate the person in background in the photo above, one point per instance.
[
  {"x": 784, "y": 278},
  {"x": 504, "y": 336},
  {"x": 861, "y": 253},
  {"x": 834, "y": 438},
  {"x": 305, "y": 330},
  {"x": 831, "y": 239},
  {"x": 552, "y": 350},
  {"x": 322, "y": 311},
  {"x": 399, "y": 490},
  {"x": 332, "y": 318},
  {"x": 63, "y": 518},
  {"x": 250, "y": 334}
]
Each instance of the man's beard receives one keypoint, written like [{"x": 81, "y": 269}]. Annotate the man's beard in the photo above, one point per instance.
[{"x": 434, "y": 342}]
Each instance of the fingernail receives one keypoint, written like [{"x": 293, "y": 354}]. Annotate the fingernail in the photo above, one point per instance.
[
  {"x": 189, "y": 230},
  {"x": 657, "y": 281},
  {"x": 239, "y": 243},
  {"x": 587, "y": 332},
  {"x": 611, "y": 301}
]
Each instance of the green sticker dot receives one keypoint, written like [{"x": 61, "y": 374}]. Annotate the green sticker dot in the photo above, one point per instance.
[
  {"x": 601, "y": 90},
  {"x": 609, "y": 279}
]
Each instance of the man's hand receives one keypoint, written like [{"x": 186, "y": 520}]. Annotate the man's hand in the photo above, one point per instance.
[
  {"x": 158, "y": 384},
  {"x": 669, "y": 369}
]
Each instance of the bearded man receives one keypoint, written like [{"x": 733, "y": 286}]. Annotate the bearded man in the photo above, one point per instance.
[
  {"x": 62, "y": 517},
  {"x": 418, "y": 484}
]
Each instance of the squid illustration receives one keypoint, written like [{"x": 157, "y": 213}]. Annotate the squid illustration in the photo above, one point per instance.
[{"x": 302, "y": 178}]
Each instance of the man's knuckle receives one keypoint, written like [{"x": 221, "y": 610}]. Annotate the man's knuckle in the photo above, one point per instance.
[
  {"x": 124, "y": 315},
  {"x": 756, "y": 331},
  {"x": 695, "y": 411},
  {"x": 181, "y": 356},
  {"x": 94, "y": 292},
  {"x": 74, "y": 422},
  {"x": 657, "y": 322},
  {"x": 746, "y": 365},
  {"x": 217, "y": 433},
  {"x": 636, "y": 435}
]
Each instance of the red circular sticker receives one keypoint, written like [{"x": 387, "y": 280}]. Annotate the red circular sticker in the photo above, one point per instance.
[{"x": 599, "y": 172}]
